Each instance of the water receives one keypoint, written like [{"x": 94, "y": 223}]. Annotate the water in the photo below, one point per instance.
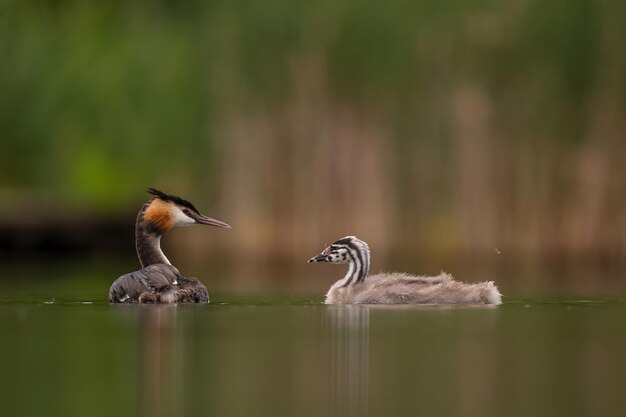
[{"x": 292, "y": 356}]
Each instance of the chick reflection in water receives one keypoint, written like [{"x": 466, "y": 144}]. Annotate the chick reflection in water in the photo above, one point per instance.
[
  {"x": 357, "y": 287},
  {"x": 349, "y": 360}
]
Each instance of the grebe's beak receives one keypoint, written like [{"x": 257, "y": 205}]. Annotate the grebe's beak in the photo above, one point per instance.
[
  {"x": 322, "y": 257},
  {"x": 319, "y": 258},
  {"x": 202, "y": 219}
]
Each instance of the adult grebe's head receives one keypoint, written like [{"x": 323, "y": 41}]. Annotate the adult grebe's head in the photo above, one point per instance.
[
  {"x": 342, "y": 251},
  {"x": 164, "y": 212}
]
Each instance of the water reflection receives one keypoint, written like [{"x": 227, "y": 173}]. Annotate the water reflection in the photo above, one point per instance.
[
  {"x": 156, "y": 329},
  {"x": 257, "y": 368},
  {"x": 349, "y": 359},
  {"x": 524, "y": 358}
]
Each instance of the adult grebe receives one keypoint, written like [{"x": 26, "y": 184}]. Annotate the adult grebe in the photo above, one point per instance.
[
  {"x": 357, "y": 287},
  {"x": 159, "y": 281}
]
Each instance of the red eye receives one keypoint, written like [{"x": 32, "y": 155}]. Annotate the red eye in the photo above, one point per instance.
[
  {"x": 186, "y": 211},
  {"x": 326, "y": 251}
]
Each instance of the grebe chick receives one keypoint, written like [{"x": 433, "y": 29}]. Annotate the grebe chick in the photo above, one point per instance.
[
  {"x": 159, "y": 281},
  {"x": 357, "y": 287}
]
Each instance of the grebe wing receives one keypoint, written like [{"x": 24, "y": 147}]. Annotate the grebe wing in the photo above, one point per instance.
[
  {"x": 187, "y": 290},
  {"x": 129, "y": 287}
]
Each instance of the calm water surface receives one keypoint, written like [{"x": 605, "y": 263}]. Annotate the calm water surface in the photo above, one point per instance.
[{"x": 293, "y": 356}]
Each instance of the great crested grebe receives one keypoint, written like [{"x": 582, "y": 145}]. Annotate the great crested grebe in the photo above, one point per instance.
[
  {"x": 159, "y": 281},
  {"x": 357, "y": 287}
]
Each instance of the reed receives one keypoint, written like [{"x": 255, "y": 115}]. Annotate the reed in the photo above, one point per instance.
[{"x": 458, "y": 127}]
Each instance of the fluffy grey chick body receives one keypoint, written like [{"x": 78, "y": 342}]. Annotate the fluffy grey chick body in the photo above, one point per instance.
[{"x": 358, "y": 287}]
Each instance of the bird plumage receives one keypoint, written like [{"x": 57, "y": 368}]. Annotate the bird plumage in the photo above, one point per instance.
[
  {"x": 159, "y": 281},
  {"x": 357, "y": 287}
]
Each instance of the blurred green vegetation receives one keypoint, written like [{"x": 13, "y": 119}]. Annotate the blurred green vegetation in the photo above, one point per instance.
[{"x": 481, "y": 123}]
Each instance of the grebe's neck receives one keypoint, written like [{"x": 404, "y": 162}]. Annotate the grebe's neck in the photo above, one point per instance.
[
  {"x": 358, "y": 264},
  {"x": 148, "y": 241}
]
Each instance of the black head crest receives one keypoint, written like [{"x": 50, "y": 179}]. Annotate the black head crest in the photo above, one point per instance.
[
  {"x": 172, "y": 198},
  {"x": 345, "y": 240}
]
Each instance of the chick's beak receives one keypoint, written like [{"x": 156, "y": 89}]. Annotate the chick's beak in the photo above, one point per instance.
[
  {"x": 319, "y": 258},
  {"x": 202, "y": 219}
]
